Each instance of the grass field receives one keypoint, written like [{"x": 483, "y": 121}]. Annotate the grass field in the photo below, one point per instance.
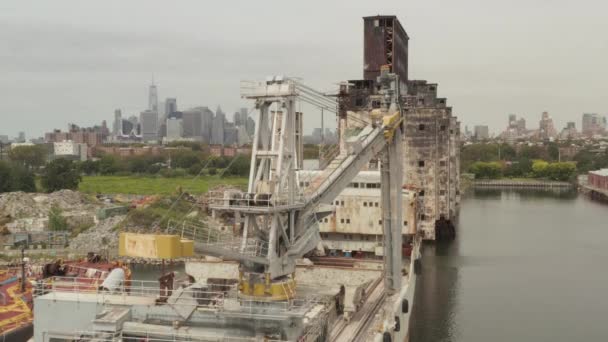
[{"x": 142, "y": 185}]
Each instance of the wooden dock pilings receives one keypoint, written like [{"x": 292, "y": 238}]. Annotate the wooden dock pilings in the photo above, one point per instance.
[{"x": 510, "y": 183}]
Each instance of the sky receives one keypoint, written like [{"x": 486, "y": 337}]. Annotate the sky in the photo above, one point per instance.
[{"x": 76, "y": 61}]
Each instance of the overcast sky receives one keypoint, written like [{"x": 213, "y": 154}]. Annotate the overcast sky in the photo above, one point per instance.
[{"x": 76, "y": 61}]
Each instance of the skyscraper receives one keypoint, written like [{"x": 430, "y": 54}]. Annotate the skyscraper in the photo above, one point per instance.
[
  {"x": 481, "y": 132},
  {"x": 117, "y": 128},
  {"x": 153, "y": 98},
  {"x": 175, "y": 128},
  {"x": 546, "y": 129},
  {"x": 593, "y": 124},
  {"x": 193, "y": 124},
  {"x": 148, "y": 120},
  {"x": 206, "y": 124},
  {"x": 217, "y": 133},
  {"x": 170, "y": 105}
]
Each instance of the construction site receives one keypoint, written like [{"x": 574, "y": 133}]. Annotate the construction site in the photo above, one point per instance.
[{"x": 300, "y": 255}]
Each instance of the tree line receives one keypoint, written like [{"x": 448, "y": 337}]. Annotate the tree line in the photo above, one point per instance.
[
  {"x": 26, "y": 163},
  {"x": 493, "y": 160}
]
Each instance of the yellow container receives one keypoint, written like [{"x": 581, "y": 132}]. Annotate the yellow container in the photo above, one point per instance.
[{"x": 155, "y": 246}]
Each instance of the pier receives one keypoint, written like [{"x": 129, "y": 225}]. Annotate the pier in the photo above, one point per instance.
[
  {"x": 515, "y": 183},
  {"x": 594, "y": 193}
]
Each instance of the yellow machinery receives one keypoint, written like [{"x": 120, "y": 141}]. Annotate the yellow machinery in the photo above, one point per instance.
[{"x": 162, "y": 246}]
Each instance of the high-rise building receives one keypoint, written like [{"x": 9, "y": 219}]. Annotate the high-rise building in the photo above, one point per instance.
[
  {"x": 250, "y": 126},
  {"x": 170, "y": 105},
  {"x": 117, "y": 128},
  {"x": 236, "y": 118},
  {"x": 546, "y": 129},
  {"x": 153, "y": 98},
  {"x": 481, "y": 132},
  {"x": 175, "y": 128},
  {"x": 217, "y": 132},
  {"x": 231, "y": 135},
  {"x": 521, "y": 126},
  {"x": 593, "y": 124},
  {"x": 206, "y": 123},
  {"x": 148, "y": 120},
  {"x": 512, "y": 121},
  {"x": 21, "y": 137},
  {"x": 193, "y": 123}
]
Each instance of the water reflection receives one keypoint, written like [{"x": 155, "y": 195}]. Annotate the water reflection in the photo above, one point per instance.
[{"x": 527, "y": 265}]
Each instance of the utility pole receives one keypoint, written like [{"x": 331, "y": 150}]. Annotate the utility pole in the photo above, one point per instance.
[{"x": 23, "y": 268}]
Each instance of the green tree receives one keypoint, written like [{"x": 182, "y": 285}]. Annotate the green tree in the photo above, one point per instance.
[
  {"x": 29, "y": 156},
  {"x": 5, "y": 177},
  {"x": 553, "y": 151},
  {"x": 185, "y": 158},
  {"x": 56, "y": 220},
  {"x": 239, "y": 167},
  {"x": 564, "y": 171},
  {"x": 16, "y": 177},
  {"x": 486, "y": 170},
  {"x": 109, "y": 164},
  {"x": 89, "y": 167},
  {"x": 23, "y": 179},
  {"x": 539, "y": 168},
  {"x": 60, "y": 174}
]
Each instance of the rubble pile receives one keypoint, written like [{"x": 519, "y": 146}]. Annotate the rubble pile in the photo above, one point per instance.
[
  {"x": 100, "y": 237},
  {"x": 22, "y": 211},
  {"x": 21, "y": 205}
]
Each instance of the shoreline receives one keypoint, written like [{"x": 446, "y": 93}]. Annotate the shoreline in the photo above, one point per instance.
[{"x": 520, "y": 183}]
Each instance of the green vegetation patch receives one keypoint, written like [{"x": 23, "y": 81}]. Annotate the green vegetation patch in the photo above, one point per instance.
[{"x": 151, "y": 185}]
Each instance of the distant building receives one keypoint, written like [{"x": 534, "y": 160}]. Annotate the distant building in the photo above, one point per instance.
[
  {"x": 4, "y": 139},
  {"x": 206, "y": 124},
  {"x": 193, "y": 124},
  {"x": 21, "y": 137},
  {"x": 243, "y": 137},
  {"x": 117, "y": 127},
  {"x": 230, "y": 134},
  {"x": 217, "y": 132},
  {"x": 175, "y": 129},
  {"x": 598, "y": 179},
  {"x": 593, "y": 124},
  {"x": 19, "y": 144},
  {"x": 70, "y": 149},
  {"x": 149, "y": 125},
  {"x": 250, "y": 126},
  {"x": 546, "y": 129},
  {"x": 481, "y": 132},
  {"x": 170, "y": 105},
  {"x": 569, "y": 132},
  {"x": 153, "y": 98}
]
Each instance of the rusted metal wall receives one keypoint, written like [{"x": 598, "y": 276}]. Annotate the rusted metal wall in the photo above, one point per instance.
[{"x": 379, "y": 48}]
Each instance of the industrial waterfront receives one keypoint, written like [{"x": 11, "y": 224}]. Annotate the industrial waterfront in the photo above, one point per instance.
[{"x": 526, "y": 266}]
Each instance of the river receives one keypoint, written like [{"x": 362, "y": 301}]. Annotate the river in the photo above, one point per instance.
[{"x": 527, "y": 265}]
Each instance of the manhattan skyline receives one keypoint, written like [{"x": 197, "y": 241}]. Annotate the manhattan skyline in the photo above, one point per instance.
[{"x": 68, "y": 61}]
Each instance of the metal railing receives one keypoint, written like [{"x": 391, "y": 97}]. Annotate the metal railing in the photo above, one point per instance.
[
  {"x": 211, "y": 296},
  {"x": 136, "y": 336},
  {"x": 253, "y": 247},
  {"x": 207, "y": 295},
  {"x": 241, "y": 200}
]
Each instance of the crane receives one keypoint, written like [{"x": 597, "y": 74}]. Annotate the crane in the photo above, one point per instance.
[{"x": 279, "y": 217}]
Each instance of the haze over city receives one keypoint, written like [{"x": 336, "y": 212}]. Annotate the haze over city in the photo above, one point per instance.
[{"x": 69, "y": 61}]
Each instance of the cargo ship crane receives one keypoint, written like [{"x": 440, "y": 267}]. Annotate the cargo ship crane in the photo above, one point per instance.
[{"x": 279, "y": 218}]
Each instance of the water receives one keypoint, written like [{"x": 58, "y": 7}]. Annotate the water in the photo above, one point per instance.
[{"x": 526, "y": 266}]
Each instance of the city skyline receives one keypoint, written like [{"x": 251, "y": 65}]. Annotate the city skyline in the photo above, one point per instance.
[{"x": 98, "y": 57}]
